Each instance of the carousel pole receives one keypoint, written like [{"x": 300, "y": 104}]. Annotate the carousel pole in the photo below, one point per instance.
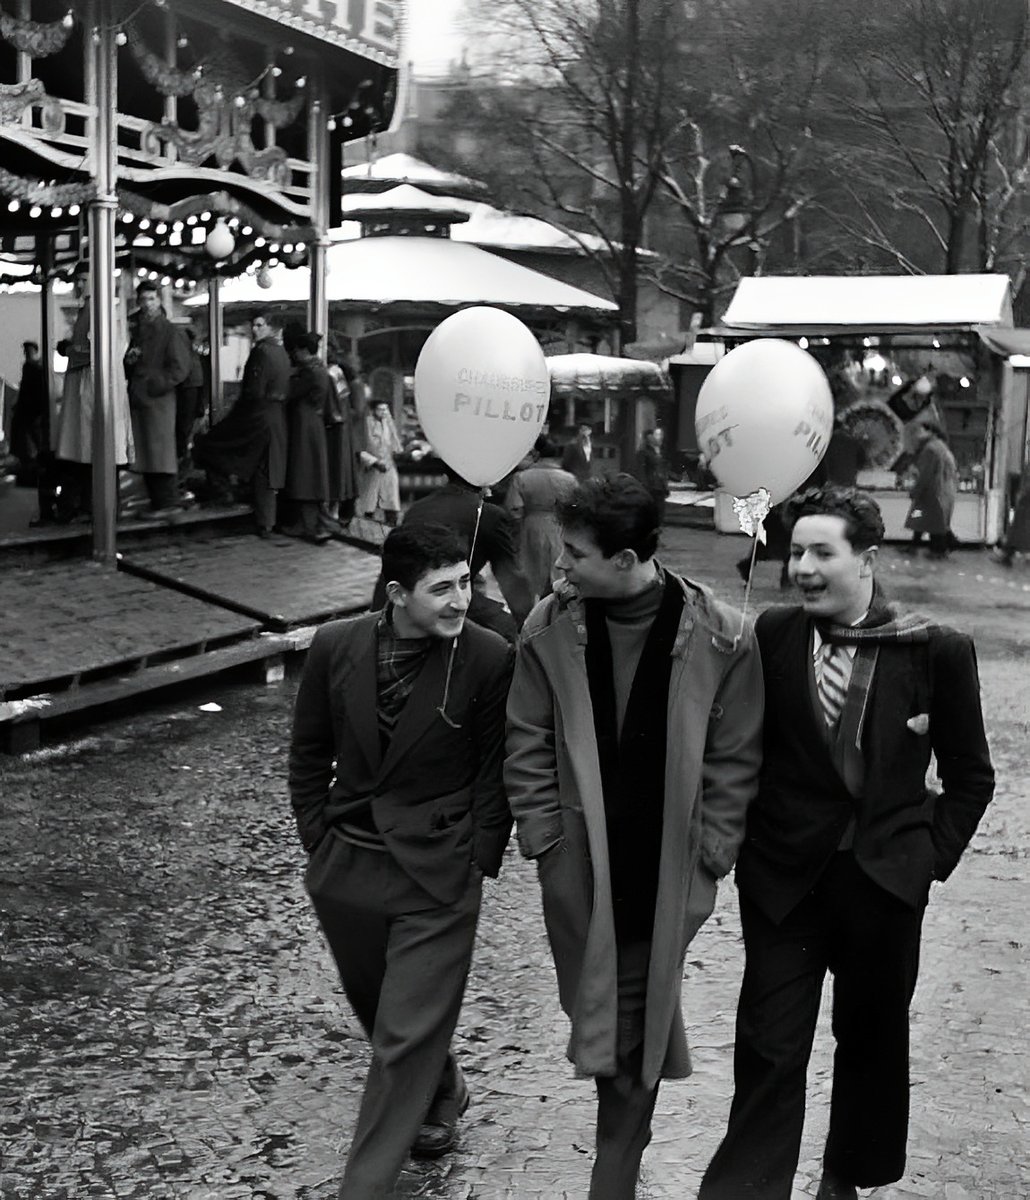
[
  {"x": 214, "y": 343},
  {"x": 102, "y": 213},
  {"x": 318, "y": 153}
]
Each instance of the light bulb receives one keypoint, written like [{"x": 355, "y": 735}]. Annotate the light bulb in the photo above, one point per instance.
[
  {"x": 13, "y": 205},
  {"x": 74, "y": 210},
  {"x": 35, "y": 211},
  {"x": 120, "y": 38}
]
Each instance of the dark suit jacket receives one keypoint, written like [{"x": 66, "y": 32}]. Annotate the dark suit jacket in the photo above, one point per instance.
[
  {"x": 437, "y": 793},
  {"x": 906, "y": 835}
]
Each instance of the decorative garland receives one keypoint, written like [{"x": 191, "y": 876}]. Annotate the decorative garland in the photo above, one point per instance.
[
  {"x": 280, "y": 113},
  {"x": 35, "y": 191},
  {"x": 37, "y": 39},
  {"x": 169, "y": 81},
  {"x": 15, "y": 98}
]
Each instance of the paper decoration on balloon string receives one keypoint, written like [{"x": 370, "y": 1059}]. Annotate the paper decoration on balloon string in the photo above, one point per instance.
[{"x": 751, "y": 512}]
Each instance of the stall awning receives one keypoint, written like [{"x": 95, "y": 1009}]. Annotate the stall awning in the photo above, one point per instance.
[
  {"x": 378, "y": 271},
  {"x": 824, "y": 305}
]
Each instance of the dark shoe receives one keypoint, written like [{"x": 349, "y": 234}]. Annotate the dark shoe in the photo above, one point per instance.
[
  {"x": 743, "y": 568},
  {"x": 165, "y": 514},
  {"x": 832, "y": 1187},
  {"x": 263, "y": 533},
  {"x": 317, "y": 539},
  {"x": 440, "y": 1130}
]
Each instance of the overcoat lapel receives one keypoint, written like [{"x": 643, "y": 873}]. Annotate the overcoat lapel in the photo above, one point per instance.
[
  {"x": 358, "y": 687},
  {"x": 423, "y": 705}
]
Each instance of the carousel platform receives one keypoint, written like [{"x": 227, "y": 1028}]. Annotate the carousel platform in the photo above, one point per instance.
[{"x": 83, "y": 641}]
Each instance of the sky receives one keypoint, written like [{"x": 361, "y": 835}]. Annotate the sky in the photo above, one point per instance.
[{"x": 433, "y": 37}]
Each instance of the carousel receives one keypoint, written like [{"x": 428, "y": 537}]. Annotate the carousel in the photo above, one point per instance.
[{"x": 181, "y": 142}]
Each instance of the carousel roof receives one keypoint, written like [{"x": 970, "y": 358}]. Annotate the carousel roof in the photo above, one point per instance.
[
  {"x": 867, "y": 303},
  {"x": 392, "y": 169},
  {"x": 482, "y": 224},
  {"x": 377, "y": 271}
]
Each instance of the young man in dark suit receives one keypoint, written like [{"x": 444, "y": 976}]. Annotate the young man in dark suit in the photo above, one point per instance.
[
  {"x": 395, "y": 780},
  {"x": 841, "y": 847}
]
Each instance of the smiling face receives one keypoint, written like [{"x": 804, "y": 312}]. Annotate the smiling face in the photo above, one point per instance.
[
  {"x": 835, "y": 579},
  {"x": 435, "y": 606}
]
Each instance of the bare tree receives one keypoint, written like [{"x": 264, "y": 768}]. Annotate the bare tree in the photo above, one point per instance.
[
  {"x": 935, "y": 148},
  {"x": 739, "y": 170},
  {"x": 584, "y": 117}
]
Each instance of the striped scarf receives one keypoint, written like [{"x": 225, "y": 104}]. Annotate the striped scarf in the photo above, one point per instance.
[{"x": 882, "y": 625}]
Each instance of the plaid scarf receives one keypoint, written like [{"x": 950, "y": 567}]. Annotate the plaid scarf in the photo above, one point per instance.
[
  {"x": 398, "y": 663},
  {"x": 882, "y": 625}
]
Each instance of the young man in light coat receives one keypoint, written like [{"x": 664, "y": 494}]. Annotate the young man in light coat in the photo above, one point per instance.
[{"x": 634, "y": 744}]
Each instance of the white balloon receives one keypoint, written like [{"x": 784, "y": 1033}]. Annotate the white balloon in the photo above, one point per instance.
[
  {"x": 764, "y": 418},
  {"x": 482, "y": 390}
]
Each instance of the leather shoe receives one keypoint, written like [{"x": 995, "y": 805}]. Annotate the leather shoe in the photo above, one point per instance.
[
  {"x": 439, "y": 1132},
  {"x": 832, "y": 1187}
]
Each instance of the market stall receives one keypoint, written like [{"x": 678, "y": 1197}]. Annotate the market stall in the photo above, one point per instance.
[
  {"x": 618, "y": 397},
  {"x": 901, "y": 350}
]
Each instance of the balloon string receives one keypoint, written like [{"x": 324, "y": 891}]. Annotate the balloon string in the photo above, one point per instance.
[
  {"x": 750, "y": 572},
  {"x": 442, "y": 710}
]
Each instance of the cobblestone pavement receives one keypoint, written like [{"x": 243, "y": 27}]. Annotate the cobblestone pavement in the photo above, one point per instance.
[{"x": 171, "y": 1025}]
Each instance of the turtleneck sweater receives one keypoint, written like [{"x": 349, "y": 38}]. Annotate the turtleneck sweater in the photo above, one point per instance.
[{"x": 629, "y": 621}]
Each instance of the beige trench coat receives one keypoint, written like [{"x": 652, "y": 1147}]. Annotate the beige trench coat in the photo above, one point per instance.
[{"x": 554, "y": 788}]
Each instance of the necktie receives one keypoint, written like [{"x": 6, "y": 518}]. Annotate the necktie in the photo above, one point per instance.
[{"x": 833, "y": 681}]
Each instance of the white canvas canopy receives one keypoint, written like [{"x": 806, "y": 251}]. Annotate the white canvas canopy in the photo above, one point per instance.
[
  {"x": 376, "y": 271},
  {"x": 824, "y": 304}
]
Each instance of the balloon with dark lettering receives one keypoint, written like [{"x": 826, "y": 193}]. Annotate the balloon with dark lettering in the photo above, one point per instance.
[
  {"x": 481, "y": 390},
  {"x": 764, "y": 418}
]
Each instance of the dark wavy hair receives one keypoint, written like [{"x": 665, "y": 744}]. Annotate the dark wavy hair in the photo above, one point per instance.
[
  {"x": 412, "y": 551},
  {"x": 619, "y": 514},
  {"x": 863, "y": 521}
]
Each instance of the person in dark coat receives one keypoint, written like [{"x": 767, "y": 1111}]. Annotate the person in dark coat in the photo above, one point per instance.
[
  {"x": 933, "y": 493},
  {"x": 30, "y": 419},
  {"x": 578, "y": 454},
  {"x": 1017, "y": 536},
  {"x": 841, "y": 846},
  {"x": 250, "y": 440},
  {"x": 307, "y": 460},
  {"x": 156, "y": 362},
  {"x": 652, "y": 468},
  {"x": 339, "y": 436},
  {"x": 395, "y": 780},
  {"x": 496, "y": 541}
]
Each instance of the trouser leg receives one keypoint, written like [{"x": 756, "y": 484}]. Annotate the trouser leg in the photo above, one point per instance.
[
  {"x": 624, "y": 1104},
  {"x": 403, "y": 960},
  {"x": 308, "y": 516},
  {"x": 875, "y": 962},
  {"x": 160, "y": 488},
  {"x": 784, "y": 969},
  {"x": 264, "y": 498}
]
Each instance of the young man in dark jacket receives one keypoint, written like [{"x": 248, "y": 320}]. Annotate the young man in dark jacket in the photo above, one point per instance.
[
  {"x": 395, "y": 780},
  {"x": 840, "y": 850}
]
